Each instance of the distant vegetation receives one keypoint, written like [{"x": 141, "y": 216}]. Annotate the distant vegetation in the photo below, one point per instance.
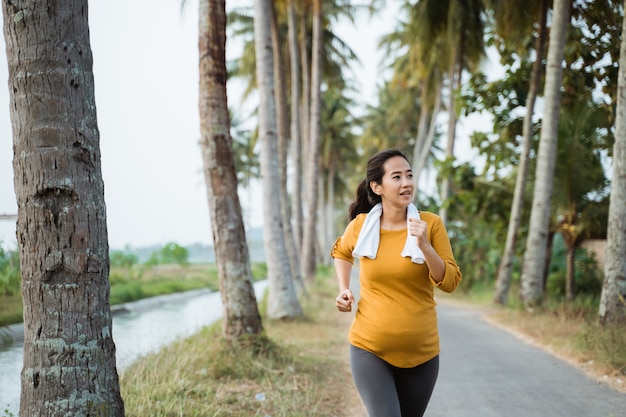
[{"x": 165, "y": 270}]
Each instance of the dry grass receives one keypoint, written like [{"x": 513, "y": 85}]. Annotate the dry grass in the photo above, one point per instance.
[{"x": 300, "y": 368}]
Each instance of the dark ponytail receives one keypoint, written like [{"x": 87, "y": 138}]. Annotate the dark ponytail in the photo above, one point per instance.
[
  {"x": 364, "y": 200},
  {"x": 365, "y": 197}
]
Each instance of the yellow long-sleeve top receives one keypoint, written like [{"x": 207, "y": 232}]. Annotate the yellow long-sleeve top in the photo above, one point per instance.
[{"x": 396, "y": 318}]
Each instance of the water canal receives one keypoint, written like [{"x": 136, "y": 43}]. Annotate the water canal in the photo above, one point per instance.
[{"x": 138, "y": 328}]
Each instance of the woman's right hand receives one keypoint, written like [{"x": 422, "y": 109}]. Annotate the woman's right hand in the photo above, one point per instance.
[{"x": 344, "y": 301}]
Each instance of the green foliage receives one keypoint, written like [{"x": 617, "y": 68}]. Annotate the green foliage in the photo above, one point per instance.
[
  {"x": 588, "y": 276},
  {"x": 123, "y": 259},
  {"x": 171, "y": 253},
  {"x": 10, "y": 277},
  {"x": 259, "y": 270}
]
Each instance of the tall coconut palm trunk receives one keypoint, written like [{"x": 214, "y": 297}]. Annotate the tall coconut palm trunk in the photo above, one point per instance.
[
  {"x": 421, "y": 156},
  {"x": 454, "y": 76},
  {"x": 282, "y": 122},
  {"x": 296, "y": 127},
  {"x": 613, "y": 299},
  {"x": 69, "y": 354},
  {"x": 282, "y": 300},
  {"x": 503, "y": 281},
  {"x": 241, "y": 315},
  {"x": 536, "y": 245},
  {"x": 309, "y": 243}
]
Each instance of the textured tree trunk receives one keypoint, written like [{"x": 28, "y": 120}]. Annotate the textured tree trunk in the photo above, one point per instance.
[
  {"x": 535, "y": 254},
  {"x": 455, "y": 81},
  {"x": 305, "y": 109},
  {"x": 282, "y": 122},
  {"x": 420, "y": 137},
  {"x": 283, "y": 301},
  {"x": 69, "y": 353},
  {"x": 241, "y": 314},
  {"x": 309, "y": 241},
  {"x": 430, "y": 137},
  {"x": 503, "y": 282},
  {"x": 613, "y": 299},
  {"x": 296, "y": 127},
  {"x": 570, "y": 273}
]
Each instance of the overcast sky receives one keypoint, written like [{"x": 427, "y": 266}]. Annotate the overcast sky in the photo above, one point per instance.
[{"x": 146, "y": 82}]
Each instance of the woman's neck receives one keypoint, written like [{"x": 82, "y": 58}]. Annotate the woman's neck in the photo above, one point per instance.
[{"x": 393, "y": 218}]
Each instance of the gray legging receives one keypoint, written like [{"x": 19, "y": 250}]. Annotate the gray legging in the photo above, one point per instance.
[{"x": 389, "y": 391}]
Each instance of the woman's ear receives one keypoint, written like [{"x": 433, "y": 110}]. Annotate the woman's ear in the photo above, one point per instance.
[{"x": 375, "y": 187}]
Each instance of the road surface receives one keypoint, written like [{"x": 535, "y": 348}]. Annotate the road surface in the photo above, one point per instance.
[{"x": 486, "y": 371}]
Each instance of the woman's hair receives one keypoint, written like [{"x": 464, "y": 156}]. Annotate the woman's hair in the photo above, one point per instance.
[{"x": 365, "y": 197}]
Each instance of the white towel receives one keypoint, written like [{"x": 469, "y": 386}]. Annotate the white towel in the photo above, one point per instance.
[{"x": 369, "y": 237}]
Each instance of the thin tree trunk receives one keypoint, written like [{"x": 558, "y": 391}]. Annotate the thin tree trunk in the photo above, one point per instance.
[
  {"x": 306, "y": 96},
  {"x": 535, "y": 254},
  {"x": 69, "y": 354},
  {"x": 282, "y": 300},
  {"x": 613, "y": 299},
  {"x": 423, "y": 157},
  {"x": 455, "y": 81},
  {"x": 420, "y": 138},
  {"x": 241, "y": 315},
  {"x": 308, "y": 254},
  {"x": 331, "y": 230},
  {"x": 503, "y": 282},
  {"x": 296, "y": 128},
  {"x": 570, "y": 272},
  {"x": 282, "y": 121}
]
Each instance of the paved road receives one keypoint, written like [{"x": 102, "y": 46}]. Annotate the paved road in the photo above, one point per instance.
[{"x": 488, "y": 372}]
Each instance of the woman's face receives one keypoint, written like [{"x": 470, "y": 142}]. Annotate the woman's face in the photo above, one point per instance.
[{"x": 397, "y": 184}]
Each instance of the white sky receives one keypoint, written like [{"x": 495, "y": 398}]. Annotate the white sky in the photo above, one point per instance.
[{"x": 146, "y": 80}]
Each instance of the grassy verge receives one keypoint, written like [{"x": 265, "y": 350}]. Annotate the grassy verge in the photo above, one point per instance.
[
  {"x": 299, "y": 368},
  {"x": 10, "y": 310},
  {"x": 140, "y": 281},
  {"x": 567, "y": 330}
]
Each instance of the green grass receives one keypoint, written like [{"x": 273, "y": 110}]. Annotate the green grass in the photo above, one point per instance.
[
  {"x": 140, "y": 281},
  {"x": 10, "y": 310},
  {"x": 296, "y": 368}
]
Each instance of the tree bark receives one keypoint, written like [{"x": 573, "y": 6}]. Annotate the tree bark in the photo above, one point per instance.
[
  {"x": 456, "y": 70},
  {"x": 535, "y": 254},
  {"x": 296, "y": 126},
  {"x": 503, "y": 282},
  {"x": 69, "y": 353},
  {"x": 241, "y": 315},
  {"x": 283, "y": 301},
  {"x": 308, "y": 254},
  {"x": 282, "y": 122},
  {"x": 613, "y": 299}
]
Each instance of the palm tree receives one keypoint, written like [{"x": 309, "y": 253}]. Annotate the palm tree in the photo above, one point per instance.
[
  {"x": 69, "y": 354},
  {"x": 296, "y": 125},
  {"x": 282, "y": 302},
  {"x": 506, "y": 19},
  {"x": 339, "y": 154},
  {"x": 536, "y": 245},
  {"x": 284, "y": 139},
  {"x": 455, "y": 27},
  {"x": 309, "y": 239},
  {"x": 612, "y": 305},
  {"x": 241, "y": 315},
  {"x": 579, "y": 177},
  {"x": 419, "y": 70}
]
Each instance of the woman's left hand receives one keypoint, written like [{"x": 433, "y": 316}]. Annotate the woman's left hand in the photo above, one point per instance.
[{"x": 418, "y": 228}]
